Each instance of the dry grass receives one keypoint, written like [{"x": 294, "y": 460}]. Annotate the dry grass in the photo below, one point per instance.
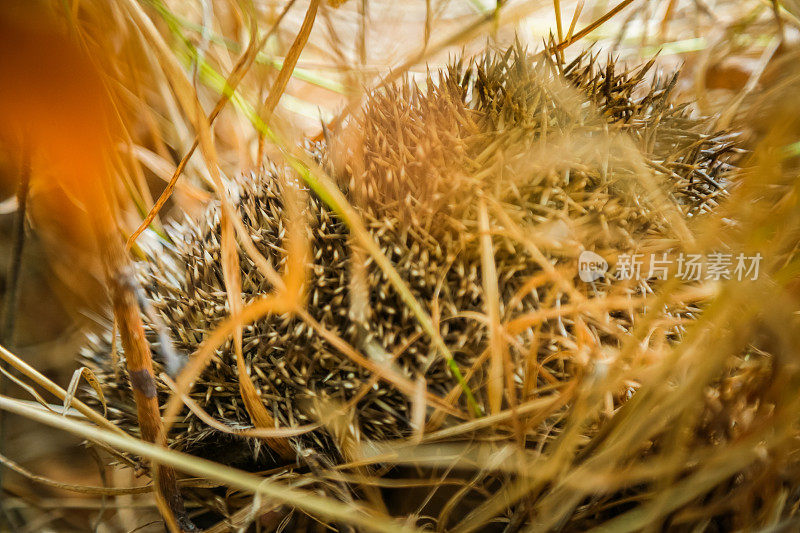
[{"x": 687, "y": 420}]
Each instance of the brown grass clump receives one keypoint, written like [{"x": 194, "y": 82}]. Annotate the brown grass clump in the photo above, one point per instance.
[{"x": 461, "y": 189}]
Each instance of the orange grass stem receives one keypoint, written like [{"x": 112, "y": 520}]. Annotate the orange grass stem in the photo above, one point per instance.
[
  {"x": 140, "y": 368},
  {"x": 54, "y": 98},
  {"x": 286, "y": 71}
]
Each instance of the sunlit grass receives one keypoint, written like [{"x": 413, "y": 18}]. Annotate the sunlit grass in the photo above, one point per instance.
[{"x": 666, "y": 430}]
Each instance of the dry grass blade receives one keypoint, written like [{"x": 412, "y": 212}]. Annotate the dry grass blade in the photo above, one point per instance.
[
  {"x": 8, "y": 311},
  {"x": 199, "y": 360},
  {"x": 519, "y": 235},
  {"x": 239, "y": 71},
  {"x": 498, "y": 351},
  {"x": 355, "y": 304},
  {"x": 611, "y": 303},
  {"x": 668, "y": 13},
  {"x": 328, "y": 191},
  {"x": 42, "y": 381},
  {"x": 559, "y": 25},
  {"x": 391, "y": 376},
  {"x": 308, "y": 502},
  {"x": 716, "y": 471},
  {"x": 82, "y": 489},
  {"x": 230, "y": 264},
  {"x": 230, "y": 268},
  {"x": 490, "y": 20},
  {"x": 285, "y": 73},
  {"x": 575, "y": 16},
  {"x": 594, "y": 25},
  {"x": 258, "y": 433},
  {"x": 27, "y": 388},
  {"x": 91, "y": 379},
  {"x": 539, "y": 405}
]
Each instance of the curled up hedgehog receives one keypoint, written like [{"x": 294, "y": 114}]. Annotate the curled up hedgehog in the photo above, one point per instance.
[{"x": 481, "y": 187}]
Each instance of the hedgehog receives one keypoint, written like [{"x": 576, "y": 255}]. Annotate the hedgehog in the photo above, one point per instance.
[{"x": 518, "y": 138}]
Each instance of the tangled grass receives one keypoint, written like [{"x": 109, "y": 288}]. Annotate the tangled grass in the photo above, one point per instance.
[{"x": 687, "y": 420}]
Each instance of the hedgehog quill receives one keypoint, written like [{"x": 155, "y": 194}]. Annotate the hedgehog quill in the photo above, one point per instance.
[{"x": 481, "y": 187}]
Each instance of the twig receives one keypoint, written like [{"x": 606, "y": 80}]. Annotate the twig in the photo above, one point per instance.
[{"x": 140, "y": 369}]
